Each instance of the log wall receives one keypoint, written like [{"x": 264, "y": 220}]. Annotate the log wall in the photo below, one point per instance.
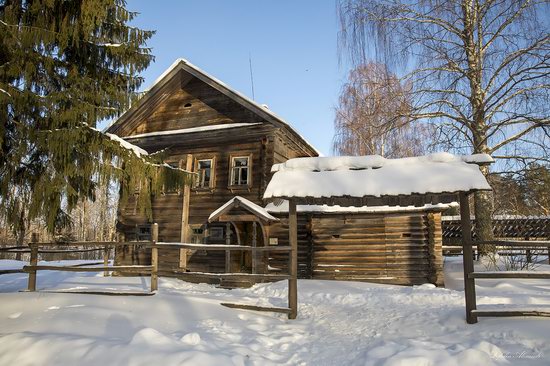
[{"x": 402, "y": 249}]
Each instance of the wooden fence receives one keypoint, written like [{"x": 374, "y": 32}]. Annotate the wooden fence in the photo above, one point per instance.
[
  {"x": 531, "y": 249},
  {"x": 34, "y": 248},
  {"x": 153, "y": 269},
  {"x": 470, "y": 275}
]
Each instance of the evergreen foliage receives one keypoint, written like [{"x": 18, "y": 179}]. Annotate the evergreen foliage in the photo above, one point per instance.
[{"x": 65, "y": 65}]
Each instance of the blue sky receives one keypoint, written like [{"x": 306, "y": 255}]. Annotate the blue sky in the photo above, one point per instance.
[{"x": 292, "y": 45}]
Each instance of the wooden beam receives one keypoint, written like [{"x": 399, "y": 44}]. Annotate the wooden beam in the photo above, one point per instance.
[
  {"x": 254, "y": 244},
  {"x": 511, "y": 274},
  {"x": 228, "y": 243},
  {"x": 138, "y": 269},
  {"x": 208, "y": 247},
  {"x": 256, "y": 308},
  {"x": 185, "y": 214},
  {"x": 506, "y": 313},
  {"x": 293, "y": 262},
  {"x": 94, "y": 292},
  {"x": 154, "y": 258},
  {"x": 106, "y": 252},
  {"x": 237, "y": 218},
  {"x": 468, "y": 259},
  {"x": 33, "y": 262}
]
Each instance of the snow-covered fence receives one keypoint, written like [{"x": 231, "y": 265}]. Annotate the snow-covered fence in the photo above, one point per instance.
[
  {"x": 200, "y": 276},
  {"x": 64, "y": 248},
  {"x": 470, "y": 275}
]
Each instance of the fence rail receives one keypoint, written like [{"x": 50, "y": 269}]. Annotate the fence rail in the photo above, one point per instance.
[
  {"x": 506, "y": 248},
  {"x": 34, "y": 248}
]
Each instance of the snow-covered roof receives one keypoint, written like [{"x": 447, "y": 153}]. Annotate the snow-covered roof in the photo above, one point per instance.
[
  {"x": 283, "y": 208},
  {"x": 376, "y": 176},
  {"x": 237, "y": 96},
  {"x": 239, "y": 201},
  {"x": 191, "y": 130}
]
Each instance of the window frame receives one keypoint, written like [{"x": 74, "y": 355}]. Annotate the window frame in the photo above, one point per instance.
[
  {"x": 199, "y": 176},
  {"x": 212, "y": 183},
  {"x": 232, "y": 167}
]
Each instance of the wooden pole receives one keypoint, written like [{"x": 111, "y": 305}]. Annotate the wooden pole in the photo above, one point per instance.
[
  {"x": 227, "y": 252},
  {"x": 33, "y": 261},
  {"x": 254, "y": 244},
  {"x": 106, "y": 259},
  {"x": 185, "y": 214},
  {"x": 154, "y": 257},
  {"x": 293, "y": 262},
  {"x": 468, "y": 259}
]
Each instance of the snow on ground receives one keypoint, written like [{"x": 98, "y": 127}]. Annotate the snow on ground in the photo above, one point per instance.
[{"x": 344, "y": 323}]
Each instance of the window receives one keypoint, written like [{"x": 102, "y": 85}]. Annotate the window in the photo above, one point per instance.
[
  {"x": 216, "y": 233},
  {"x": 204, "y": 170},
  {"x": 240, "y": 171},
  {"x": 197, "y": 234}
]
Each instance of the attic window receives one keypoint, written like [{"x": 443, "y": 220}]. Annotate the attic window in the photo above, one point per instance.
[{"x": 187, "y": 105}]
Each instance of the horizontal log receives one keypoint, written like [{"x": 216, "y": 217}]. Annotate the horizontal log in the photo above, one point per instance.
[
  {"x": 229, "y": 276},
  {"x": 506, "y": 313},
  {"x": 222, "y": 247},
  {"x": 7, "y": 249},
  {"x": 510, "y": 274},
  {"x": 102, "y": 244},
  {"x": 256, "y": 308},
  {"x": 512, "y": 243},
  {"x": 96, "y": 292},
  {"x": 88, "y": 269},
  {"x": 10, "y": 271}
]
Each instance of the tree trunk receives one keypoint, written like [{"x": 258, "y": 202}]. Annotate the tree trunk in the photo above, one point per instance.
[
  {"x": 483, "y": 207},
  {"x": 483, "y": 202}
]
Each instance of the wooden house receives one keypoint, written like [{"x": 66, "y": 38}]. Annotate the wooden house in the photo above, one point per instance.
[
  {"x": 229, "y": 140},
  {"x": 232, "y": 143}
]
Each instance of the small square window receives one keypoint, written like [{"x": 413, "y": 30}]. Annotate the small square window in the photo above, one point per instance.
[
  {"x": 240, "y": 171},
  {"x": 215, "y": 233}
]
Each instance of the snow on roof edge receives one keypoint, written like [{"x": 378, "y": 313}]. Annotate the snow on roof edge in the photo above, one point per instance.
[
  {"x": 247, "y": 203},
  {"x": 270, "y": 207},
  {"x": 191, "y": 130},
  {"x": 330, "y": 163}
]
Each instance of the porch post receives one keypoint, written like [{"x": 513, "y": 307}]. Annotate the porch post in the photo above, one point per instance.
[
  {"x": 227, "y": 252},
  {"x": 293, "y": 262},
  {"x": 254, "y": 245},
  {"x": 467, "y": 258},
  {"x": 184, "y": 237}
]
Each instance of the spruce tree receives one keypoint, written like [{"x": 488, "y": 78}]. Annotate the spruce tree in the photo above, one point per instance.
[{"x": 66, "y": 65}]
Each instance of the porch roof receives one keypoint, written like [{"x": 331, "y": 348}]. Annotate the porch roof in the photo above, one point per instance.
[{"x": 240, "y": 202}]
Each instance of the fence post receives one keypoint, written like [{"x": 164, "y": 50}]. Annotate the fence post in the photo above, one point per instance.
[
  {"x": 154, "y": 257},
  {"x": 106, "y": 253},
  {"x": 33, "y": 261},
  {"x": 467, "y": 259},
  {"x": 293, "y": 260}
]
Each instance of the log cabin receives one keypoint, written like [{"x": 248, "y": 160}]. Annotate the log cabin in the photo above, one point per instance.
[{"x": 232, "y": 143}]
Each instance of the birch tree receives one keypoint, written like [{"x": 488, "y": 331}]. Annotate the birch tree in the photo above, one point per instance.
[
  {"x": 478, "y": 69},
  {"x": 370, "y": 116}
]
